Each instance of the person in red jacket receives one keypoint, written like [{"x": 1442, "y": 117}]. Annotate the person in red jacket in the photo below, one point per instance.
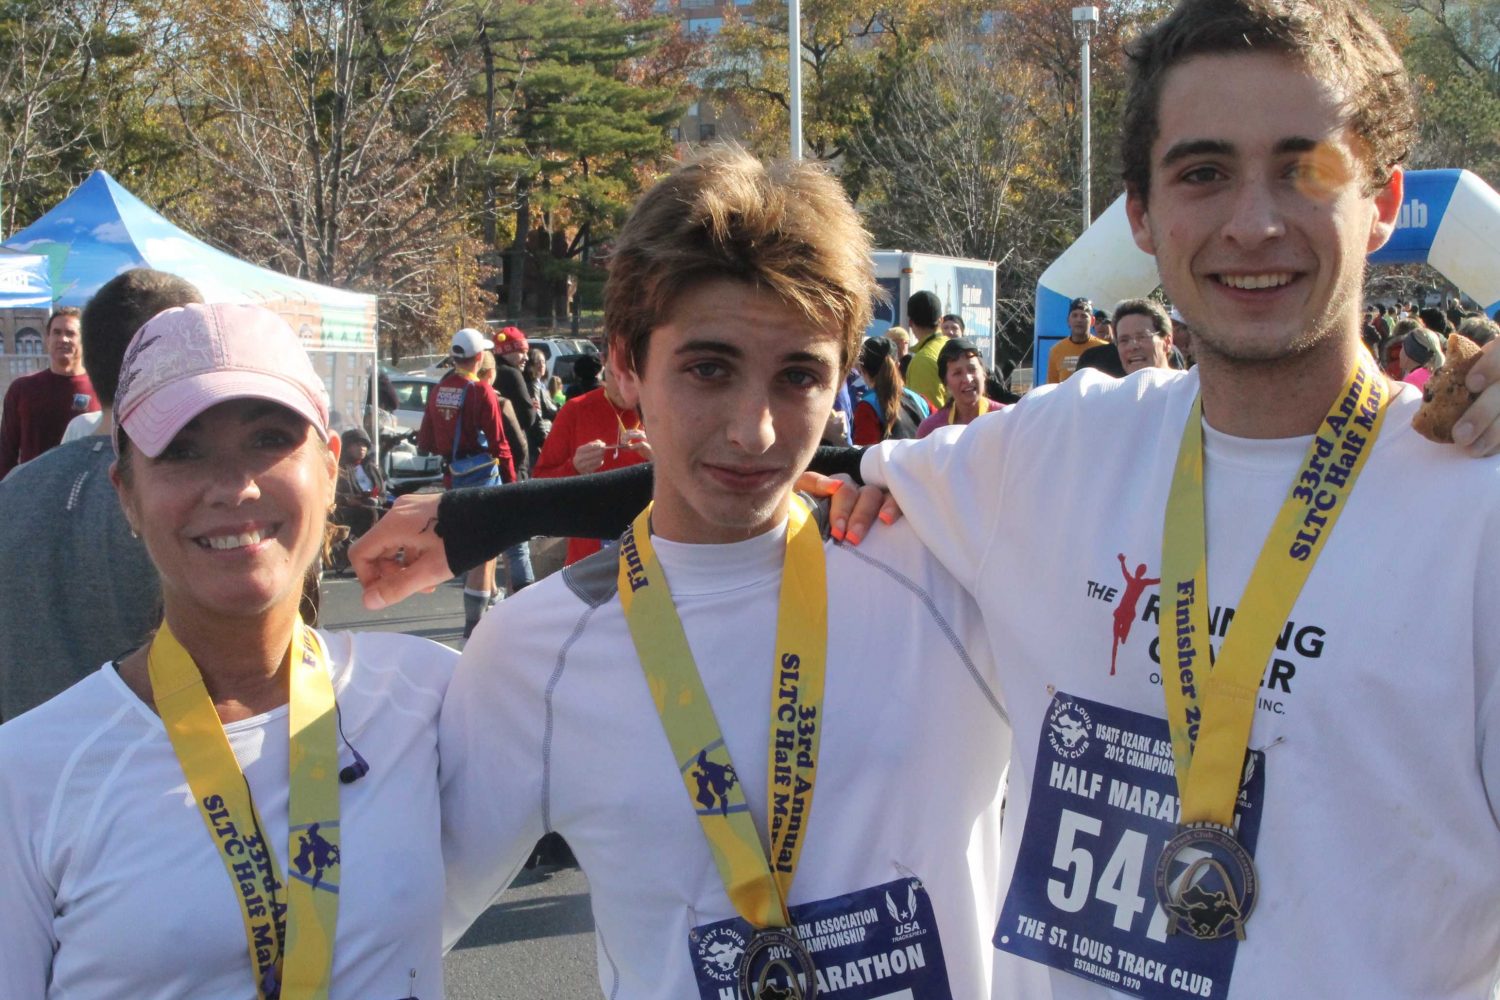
[
  {"x": 480, "y": 430},
  {"x": 594, "y": 432},
  {"x": 38, "y": 406}
]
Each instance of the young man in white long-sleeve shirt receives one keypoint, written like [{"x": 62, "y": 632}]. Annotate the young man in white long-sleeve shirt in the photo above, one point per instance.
[{"x": 844, "y": 775}]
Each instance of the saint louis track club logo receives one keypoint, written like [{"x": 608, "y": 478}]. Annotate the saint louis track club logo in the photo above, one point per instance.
[
  {"x": 719, "y": 951},
  {"x": 1068, "y": 726}
]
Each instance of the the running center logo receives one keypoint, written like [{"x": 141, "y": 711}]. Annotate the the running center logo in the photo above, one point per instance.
[{"x": 1135, "y": 622}]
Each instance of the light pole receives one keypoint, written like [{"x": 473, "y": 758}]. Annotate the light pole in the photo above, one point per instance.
[
  {"x": 1085, "y": 22},
  {"x": 794, "y": 72}
]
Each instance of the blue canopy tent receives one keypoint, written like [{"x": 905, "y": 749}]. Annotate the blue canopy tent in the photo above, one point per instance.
[{"x": 101, "y": 229}]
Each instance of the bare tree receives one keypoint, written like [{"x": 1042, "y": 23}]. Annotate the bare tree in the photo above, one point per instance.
[
  {"x": 334, "y": 123},
  {"x": 34, "y": 133},
  {"x": 959, "y": 163}
]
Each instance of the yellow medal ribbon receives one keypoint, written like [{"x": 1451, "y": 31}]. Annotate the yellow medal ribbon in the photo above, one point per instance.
[
  {"x": 1210, "y": 706},
  {"x": 758, "y": 883},
  {"x": 984, "y": 407},
  {"x": 289, "y": 937}
]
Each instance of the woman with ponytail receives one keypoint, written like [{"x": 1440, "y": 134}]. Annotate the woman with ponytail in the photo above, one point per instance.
[{"x": 888, "y": 409}]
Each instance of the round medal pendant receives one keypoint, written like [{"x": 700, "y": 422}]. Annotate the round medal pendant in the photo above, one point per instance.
[
  {"x": 1215, "y": 885},
  {"x": 776, "y": 966}
]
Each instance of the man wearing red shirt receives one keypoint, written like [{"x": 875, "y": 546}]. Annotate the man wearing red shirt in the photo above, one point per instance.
[
  {"x": 38, "y": 406},
  {"x": 594, "y": 432},
  {"x": 461, "y": 390}
]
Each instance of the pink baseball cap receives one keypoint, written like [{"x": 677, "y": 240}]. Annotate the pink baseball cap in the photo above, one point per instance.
[{"x": 187, "y": 359}]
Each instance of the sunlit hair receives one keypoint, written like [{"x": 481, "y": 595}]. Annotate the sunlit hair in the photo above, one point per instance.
[
  {"x": 786, "y": 227},
  {"x": 1338, "y": 41},
  {"x": 1480, "y": 329}
]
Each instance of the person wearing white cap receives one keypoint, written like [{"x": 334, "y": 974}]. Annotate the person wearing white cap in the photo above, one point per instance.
[
  {"x": 193, "y": 820},
  {"x": 462, "y": 424}
]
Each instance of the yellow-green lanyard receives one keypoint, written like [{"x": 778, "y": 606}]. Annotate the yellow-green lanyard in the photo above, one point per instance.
[
  {"x": 291, "y": 943},
  {"x": 758, "y": 885},
  {"x": 1210, "y": 708},
  {"x": 984, "y": 407}
]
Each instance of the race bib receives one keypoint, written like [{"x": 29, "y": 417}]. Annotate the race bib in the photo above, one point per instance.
[
  {"x": 875, "y": 944},
  {"x": 1103, "y": 805}
]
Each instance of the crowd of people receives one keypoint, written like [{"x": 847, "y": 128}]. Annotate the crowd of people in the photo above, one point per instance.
[
  {"x": 1406, "y": 342},
  {"x": 1082, "y": 721}
]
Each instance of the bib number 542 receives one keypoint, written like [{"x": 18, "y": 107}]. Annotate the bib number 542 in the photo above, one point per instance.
[{"x": 1119, "y": 883}]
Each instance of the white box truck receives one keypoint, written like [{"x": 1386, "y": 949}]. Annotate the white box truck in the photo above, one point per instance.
[{"x": 965, "y": 287}]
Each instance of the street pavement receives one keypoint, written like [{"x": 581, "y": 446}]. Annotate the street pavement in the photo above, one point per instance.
[{"x": 538, "y": 941}]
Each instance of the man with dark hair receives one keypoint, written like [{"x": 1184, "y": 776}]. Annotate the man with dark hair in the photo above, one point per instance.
[
  {"x": 1382, "y": 321},
  {"x": 1143, "y": 333},
  {"x": 924, "y": 315},
  {"x": 76, "y": 588},
  {"x": 39, "y": 406},
  {"x": 1248, "y": 740},
  {"x": 1435, "y": 320},
  {"x": 1062, "y": 360}
]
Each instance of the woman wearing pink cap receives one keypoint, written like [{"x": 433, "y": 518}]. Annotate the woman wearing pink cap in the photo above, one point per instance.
[{"x": 193, "y": 819}]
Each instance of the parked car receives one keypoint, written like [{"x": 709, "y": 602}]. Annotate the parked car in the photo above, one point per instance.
[
  {"x": 562, "y": 366},
  {"x": 561, "y": 347},
  {"x": 404, "y": 467},
  {"x": 412, "y": 390}
]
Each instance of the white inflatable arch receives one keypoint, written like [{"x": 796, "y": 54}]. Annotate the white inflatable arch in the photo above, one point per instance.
[{"x": 1449, "y": 219}]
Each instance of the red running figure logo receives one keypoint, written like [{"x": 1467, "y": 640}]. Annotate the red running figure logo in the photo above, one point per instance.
[{"x": 1135, "y": 586}]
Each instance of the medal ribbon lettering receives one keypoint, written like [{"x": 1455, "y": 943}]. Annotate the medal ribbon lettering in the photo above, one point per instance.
[
  {"x": 1210, "y": 708},
  {"x": 758, "y": 885},
  {"x": 291, "y": 943}
]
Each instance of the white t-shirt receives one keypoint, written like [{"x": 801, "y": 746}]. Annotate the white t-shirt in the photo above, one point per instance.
[
  {"x": 1378, "y": 719},
  {"x": 82, "y": 426},
  {"x": 111, "y": 888},
  {"x": 549, "y": 725}
]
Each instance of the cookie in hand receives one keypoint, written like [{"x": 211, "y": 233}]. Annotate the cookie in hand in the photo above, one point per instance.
[{"x": 1445, "y": 398}]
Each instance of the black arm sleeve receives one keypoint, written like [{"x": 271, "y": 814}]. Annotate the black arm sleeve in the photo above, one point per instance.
[
  {"x": 478, "y": 524},
  {"x": 832, "y": 460}
]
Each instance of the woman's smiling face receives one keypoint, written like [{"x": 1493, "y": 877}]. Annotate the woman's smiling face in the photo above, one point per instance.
[{"x": 233, "y": 509}]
